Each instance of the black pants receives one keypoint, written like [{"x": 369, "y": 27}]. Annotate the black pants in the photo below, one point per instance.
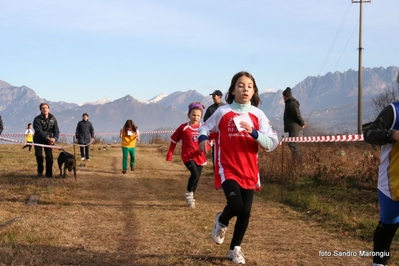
[
  {"x": 49, "y": 160},
  {"x": 85, "y": 152},
  {"x": 296, "y": 153},
  {"x": 383, "y": 236},
  {"x": 214, "y": 159},
  {"x": 239, "y": 203},
  {"x": 195, "y": 171}
]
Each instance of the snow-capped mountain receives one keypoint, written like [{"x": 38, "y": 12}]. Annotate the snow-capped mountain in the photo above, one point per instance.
[
  {"x": 154, "y": 99},
  {"x": 328, "y": 102},
  {"x": 101, "y": 101}
]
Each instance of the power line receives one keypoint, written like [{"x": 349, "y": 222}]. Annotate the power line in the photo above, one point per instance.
[
  {"x": 329, "y": 53},
  {"x": 335, "y": 38}
]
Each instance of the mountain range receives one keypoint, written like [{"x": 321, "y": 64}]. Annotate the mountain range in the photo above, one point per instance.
[{"x": 328, "y": 102}]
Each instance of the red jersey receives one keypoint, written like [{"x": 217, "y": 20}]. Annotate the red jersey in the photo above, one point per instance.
[
  {"x": 236, "y": 152},
  {"x": 188, "y": 134}
]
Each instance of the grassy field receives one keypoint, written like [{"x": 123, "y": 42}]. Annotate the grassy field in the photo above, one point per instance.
[{"x": 140, "y": 218}]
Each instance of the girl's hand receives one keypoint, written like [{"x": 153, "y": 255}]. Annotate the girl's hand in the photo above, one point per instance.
[
  {"x": 247, "y": 128},
  {"x": 203, "y": 146}
]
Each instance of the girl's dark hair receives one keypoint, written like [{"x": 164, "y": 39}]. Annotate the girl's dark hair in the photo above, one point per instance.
[
  {"x": 255, "y": 100},
  {"x": 29, "y": 125},
  {"x": 129, "y": 123}
]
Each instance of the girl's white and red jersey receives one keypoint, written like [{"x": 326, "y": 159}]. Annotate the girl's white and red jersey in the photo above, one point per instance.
[
  {"x": 188, "y": 134},
  {"x": 235, "y": 152}
]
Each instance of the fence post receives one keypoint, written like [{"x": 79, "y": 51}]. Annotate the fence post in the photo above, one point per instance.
[{"x": 73, "y": 144}]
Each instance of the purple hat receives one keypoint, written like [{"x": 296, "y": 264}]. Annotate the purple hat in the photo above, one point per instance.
[{"x": 196, "y": 104}]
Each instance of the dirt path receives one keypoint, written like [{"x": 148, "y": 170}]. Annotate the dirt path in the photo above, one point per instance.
[
  {"x": 140, "y": 218},
  {"x": 168, "y": 233}
]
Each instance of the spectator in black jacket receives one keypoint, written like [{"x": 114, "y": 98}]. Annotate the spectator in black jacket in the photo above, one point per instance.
[
  {"x": 47, "y": 133},
  {"x": 84, "y": 134},
  {"x": 217, "y": 102},
  {"x": 1, "y": 125},
  {"x": 293, "y": 121}
]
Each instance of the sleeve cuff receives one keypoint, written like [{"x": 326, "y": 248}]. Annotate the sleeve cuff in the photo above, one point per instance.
[
  {"x": 254, "y": 133},
  {"x": 201, "y": 138}
]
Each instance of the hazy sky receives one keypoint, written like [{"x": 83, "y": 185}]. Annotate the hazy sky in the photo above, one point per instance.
[{"x": 85, "y": 50}]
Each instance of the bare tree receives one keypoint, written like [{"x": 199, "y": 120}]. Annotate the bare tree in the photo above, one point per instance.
[
  {"x": 313, "y": 130},
  {"x": 388, "y": 96}
]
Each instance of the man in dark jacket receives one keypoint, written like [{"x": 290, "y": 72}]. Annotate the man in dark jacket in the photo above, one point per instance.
[
  {"x": 293, "y": 121},
  {"x": 84, "y": 134},
  {"x": 47, "y": 133},
  {"x": 1, "y": 125},
  {"x": 217, "y": 102}
]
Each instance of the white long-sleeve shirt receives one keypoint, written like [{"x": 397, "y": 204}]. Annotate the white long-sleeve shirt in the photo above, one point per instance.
[{"x": 236, "y": 153}]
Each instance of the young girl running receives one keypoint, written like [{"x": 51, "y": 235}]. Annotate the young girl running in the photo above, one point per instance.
[
  {"x": 241, "y": 128},
  {"x": 128, "y": 135},
  {"x": 29, "y": 137},
  {"x": 192, "y": 158}
]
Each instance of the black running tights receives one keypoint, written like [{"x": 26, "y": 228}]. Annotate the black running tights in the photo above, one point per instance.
[
  {"x": 239, "y": 203},
  {"x": 195, "y": 171}
]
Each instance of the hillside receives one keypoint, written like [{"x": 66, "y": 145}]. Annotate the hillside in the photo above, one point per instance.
[{"x": 328, "y": 102}]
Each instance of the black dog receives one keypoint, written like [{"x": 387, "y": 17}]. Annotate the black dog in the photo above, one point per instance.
[{"x": 69, "y": 162}]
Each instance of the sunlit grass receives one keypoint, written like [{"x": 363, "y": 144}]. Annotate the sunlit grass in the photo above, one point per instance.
[
  {"x": 343, "y": 201},
  {"x": 335, "y": 185}
]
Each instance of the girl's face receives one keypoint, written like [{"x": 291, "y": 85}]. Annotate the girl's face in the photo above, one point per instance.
[
  {"x": 30, "y": 126},
  {"x": 195, "y": 116},
  {"x": 243, "y": 90}
]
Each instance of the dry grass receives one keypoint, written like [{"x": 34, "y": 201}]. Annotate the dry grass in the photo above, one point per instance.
[
  {"x": 106, "y": 218},
  {"x": 335, "y": 185}
]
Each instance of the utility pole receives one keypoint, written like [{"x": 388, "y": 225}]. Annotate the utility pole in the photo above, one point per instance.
[{"x": 359, "y": 105}]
